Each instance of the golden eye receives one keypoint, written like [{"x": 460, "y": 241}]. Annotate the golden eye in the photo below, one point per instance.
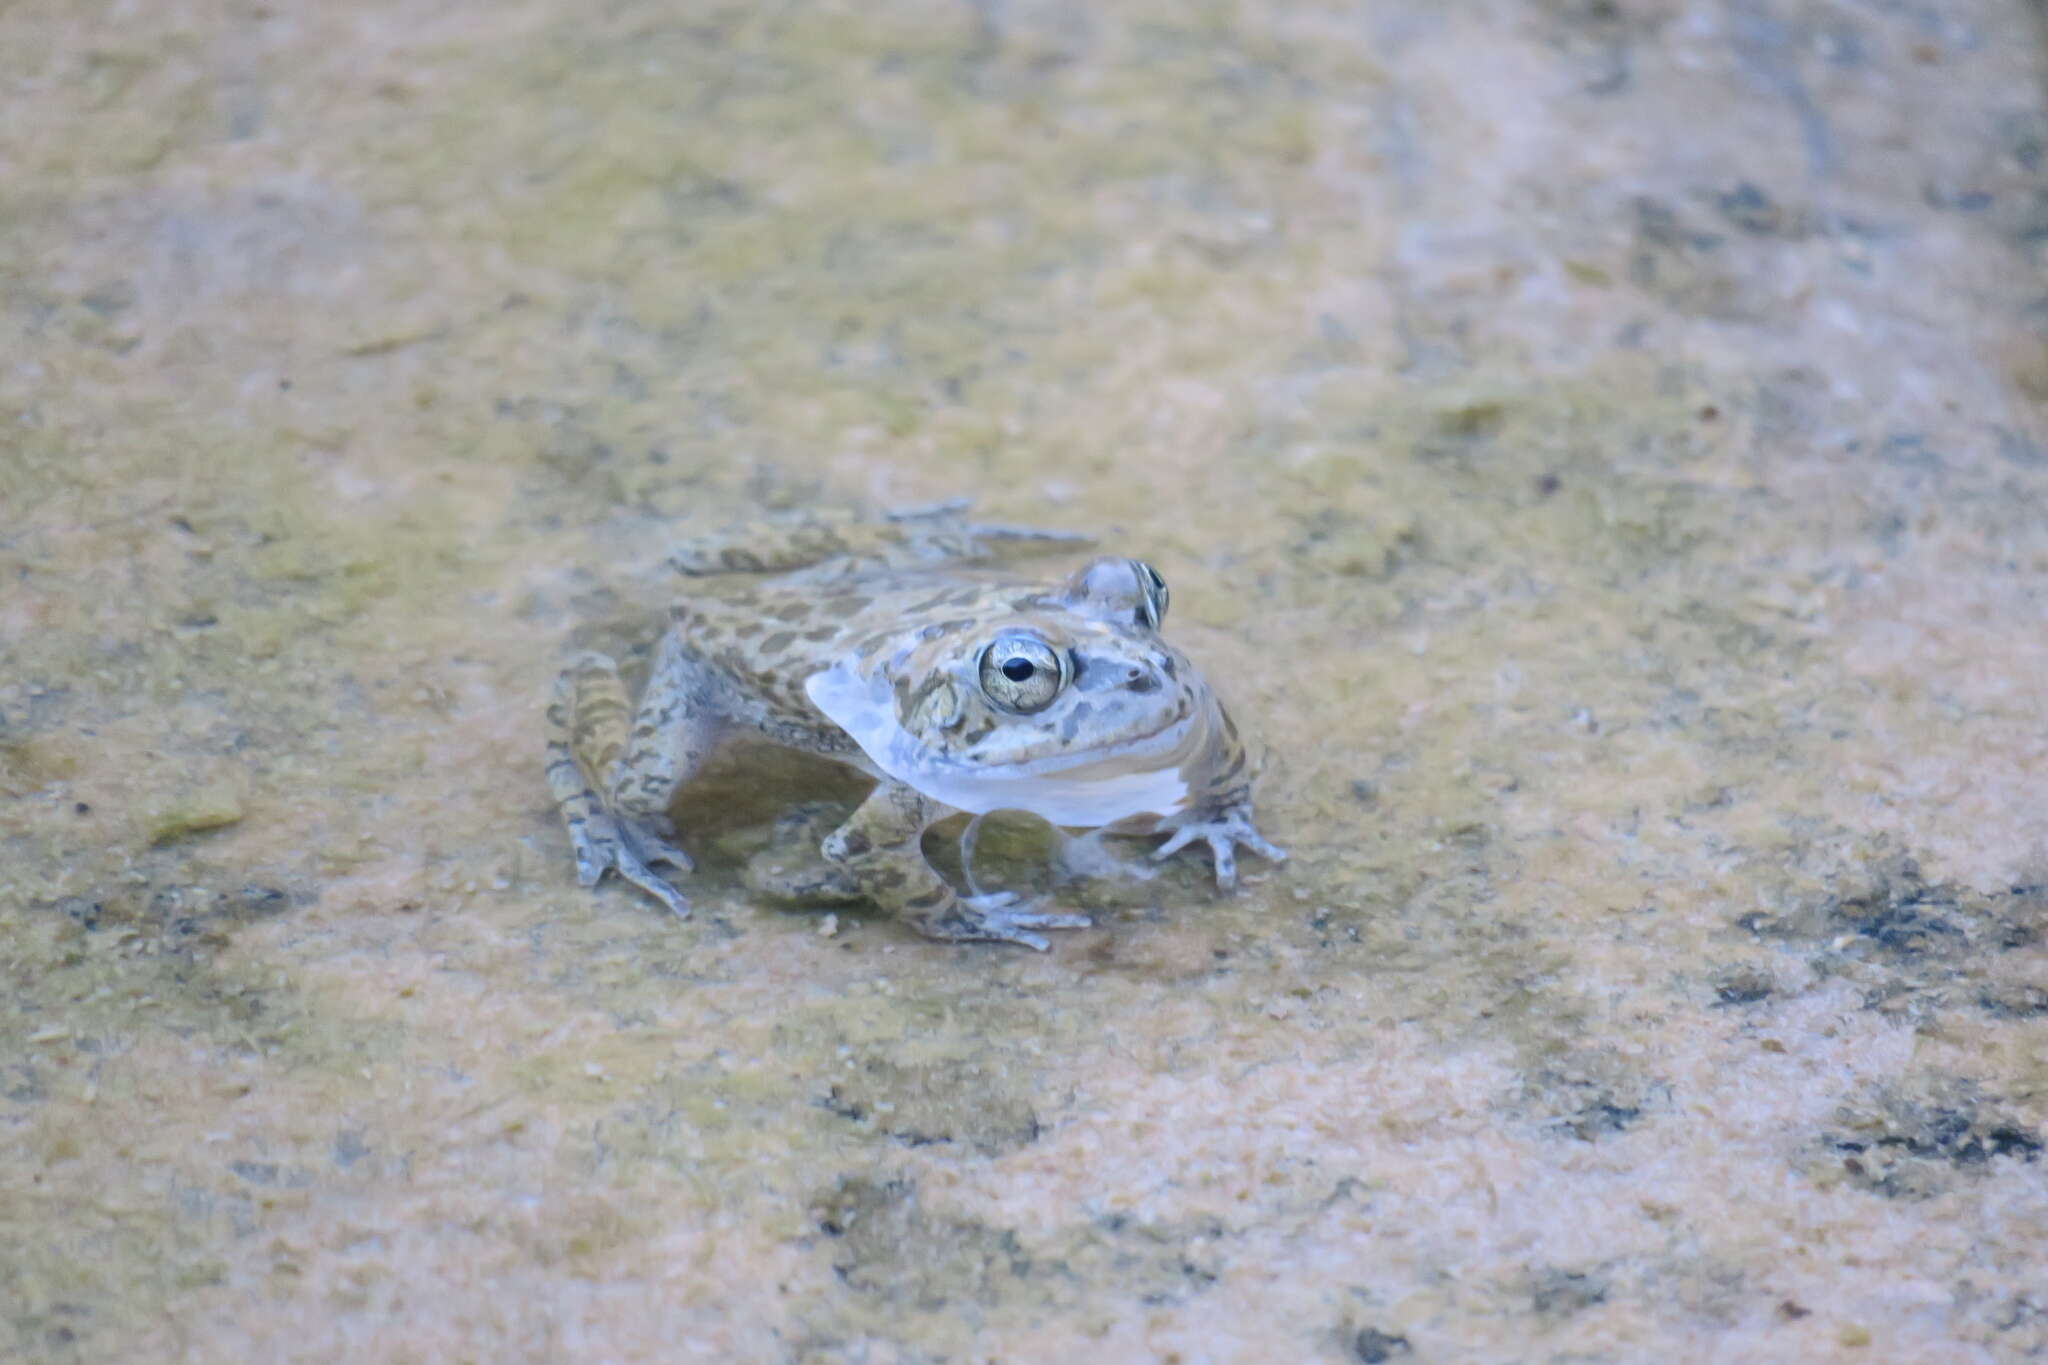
[
  {"x": 1151, "y": 592},
  {"x": 1022, "y": 673}
]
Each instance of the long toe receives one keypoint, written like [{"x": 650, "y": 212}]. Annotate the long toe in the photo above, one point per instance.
[
  {"x": 997, "y": 919},
  {"x": 677, "y": 904},
  {"x": 1052, "y": 921},
  {"x": 1226, "y": 862},
  {"x": 643, "y": 877}
]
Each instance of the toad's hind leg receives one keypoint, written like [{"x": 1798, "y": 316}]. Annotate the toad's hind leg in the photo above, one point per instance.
[
  {"x": 674, "y": 730},
  {"x": 878, "y": 850},
  {"x": 638, "y": 764}
]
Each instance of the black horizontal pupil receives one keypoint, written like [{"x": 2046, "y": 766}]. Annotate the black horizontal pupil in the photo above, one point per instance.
[{"x": 1017, "y": 670}]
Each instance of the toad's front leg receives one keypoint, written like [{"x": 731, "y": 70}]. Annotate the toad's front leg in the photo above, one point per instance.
[
  {"x": 1223, "y": 830},
  {"x": 878, "y": 848}
]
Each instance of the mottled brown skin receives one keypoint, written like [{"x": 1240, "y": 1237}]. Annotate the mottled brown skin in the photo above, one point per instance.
[{"x": 899, "y": 601}]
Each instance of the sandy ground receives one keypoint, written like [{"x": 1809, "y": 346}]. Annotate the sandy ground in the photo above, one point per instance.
[{"x": 1598, "y": 448}]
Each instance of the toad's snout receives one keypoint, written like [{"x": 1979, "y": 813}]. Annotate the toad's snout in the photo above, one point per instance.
[{"x": 1109, "y": 674}]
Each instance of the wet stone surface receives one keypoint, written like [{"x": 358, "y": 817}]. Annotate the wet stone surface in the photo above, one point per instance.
[{"x": 1596, "y": 448}]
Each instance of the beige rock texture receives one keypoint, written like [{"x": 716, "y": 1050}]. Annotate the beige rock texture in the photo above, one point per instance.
[{"x": 1598, "y": 446}]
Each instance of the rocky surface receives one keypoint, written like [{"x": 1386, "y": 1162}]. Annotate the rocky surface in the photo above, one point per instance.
[{"x": 1598, "y": 446}]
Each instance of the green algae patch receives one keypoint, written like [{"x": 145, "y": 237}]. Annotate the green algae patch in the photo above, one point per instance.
[
  {"x": 193, "y": 810},
  {"x": 31, "y": 763}
]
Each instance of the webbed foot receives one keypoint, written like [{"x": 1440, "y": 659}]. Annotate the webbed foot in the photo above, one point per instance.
[
  {"x": 1224, "y": 834},
  {"x": 609, "y": 843},
  {"x": 996, "y": 918}
]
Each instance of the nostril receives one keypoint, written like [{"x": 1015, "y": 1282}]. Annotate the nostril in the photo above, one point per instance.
[{"x": 1142, "y": 682}]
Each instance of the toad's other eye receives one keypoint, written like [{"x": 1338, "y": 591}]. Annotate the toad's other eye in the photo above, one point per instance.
[
  {"x": 1152, "y": 593},
  {"x": 1022, "y": 673}
]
